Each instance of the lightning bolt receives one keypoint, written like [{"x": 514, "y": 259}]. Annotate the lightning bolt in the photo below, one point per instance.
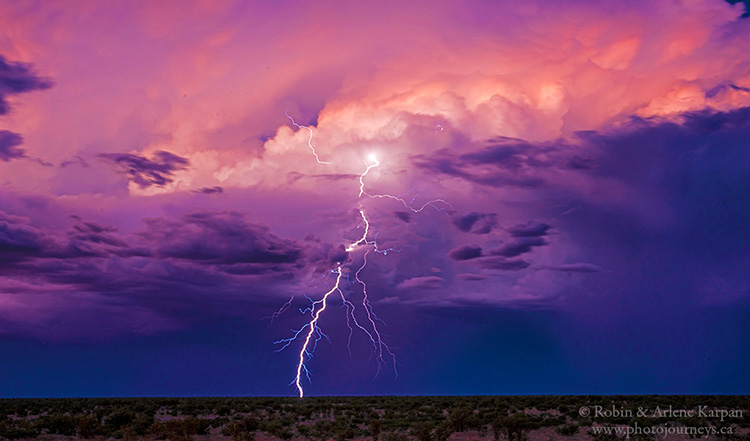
[
  {"x": 399, "y": 198},
  {"x": 311, "y": 330},
  {"x": 309, "y": 140},
  {"x": 350, "y": 309},
  {"x": 377, "y": 341},
  {"x": 281, "y": 310},
  {"x": 362, "y": 176},
  {"x": 363, "y": 239},
  {"x": 312, "y": 326},
  {"x": 409, "y": 204}
]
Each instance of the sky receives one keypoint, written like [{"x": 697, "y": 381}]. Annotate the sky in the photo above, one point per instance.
[{"x": 552, "y": 197}]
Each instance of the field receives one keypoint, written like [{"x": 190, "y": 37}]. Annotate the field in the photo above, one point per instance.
[{"x": 513, "y": 418}]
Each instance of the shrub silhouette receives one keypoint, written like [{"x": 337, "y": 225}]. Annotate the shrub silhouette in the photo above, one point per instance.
[{"x": 514, "y": 428}]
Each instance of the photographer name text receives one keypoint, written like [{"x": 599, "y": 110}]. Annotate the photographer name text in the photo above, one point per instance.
[{"x": 659, "y": 412}]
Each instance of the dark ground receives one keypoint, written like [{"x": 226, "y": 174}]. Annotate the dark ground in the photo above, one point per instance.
[{"x": 514, "y": 418}]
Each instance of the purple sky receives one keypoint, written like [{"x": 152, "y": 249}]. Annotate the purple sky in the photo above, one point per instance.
[{"x": 591, "y": 160}]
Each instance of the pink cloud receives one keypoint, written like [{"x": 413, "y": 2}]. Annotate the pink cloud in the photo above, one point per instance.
[{"x": 481, "y": 106}]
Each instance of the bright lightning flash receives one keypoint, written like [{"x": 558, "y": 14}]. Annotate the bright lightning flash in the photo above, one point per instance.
[
  {"x": 313, "y": 324},
  {"x": 374, "y": 163},
  {"x": 313, "y": 333}
]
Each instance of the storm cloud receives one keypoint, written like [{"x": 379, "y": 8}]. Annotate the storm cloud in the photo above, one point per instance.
[
  {"x": 522, "y": 172},
  {"x": 9, "y": 143},
  {"x": 16, "y": 78},
  {"x": 144, "y": 172},
  {"x": 476, "y": 223}
]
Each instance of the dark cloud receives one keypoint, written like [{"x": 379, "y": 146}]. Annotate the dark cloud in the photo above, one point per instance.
[
  {"x": 294, "y": 176},
  {"x": 22, "y": 242},
  {"x": 403, "y": 215},
  {"x": 147, "y": 172},
  {"x": 471, "y": 277},
  {"x": 476, "y": 223},
  {"x": 322, "y": 255},
  {"x": 581, "y": 163},
  {"x": 92, "y": 265},
  {"x": 685, "y": 218},
  {"x": 18, "y": 239},
  {"x": 721, "y": 88},
  {"x": 335, "y": 176},
  {"x": 507, "y": 162},
  {"x": 745, "y": 2},
  {"x": 502, "y": 263},
  {"x": 198, "y": 250},
  {"x": 516, "y": 247},
  {"x": 9, "y": 142},
  {"x": 42, "y": 162},
  {"x": 96, "y": 233},
  {"x": 91, "y": 227},
  {"x": 510, "y": 162},
  {"x": 576, "y": 268},
  {"x": 466, "y": 252},
  {"x": 525, "y": 238},
  {"x": 510, "y": 154},
  {"x": 426, "y": 282},
  {"x": 210, "y": 190},
  {"x": 222, "y": 238},
  {"x": 337, "y": 254},
  {"x": 18, "y": 78},
  {"x": 530, "y": 229},
  {"x": 472, "y": 168},
  {"x": 75, "y": 160},
  {"x": 442, "y": 161}
]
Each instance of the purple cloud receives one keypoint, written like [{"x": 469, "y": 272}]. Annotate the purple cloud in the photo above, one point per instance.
[
  {"x": 210, "y": 190},
  {"x": 403, "y": 215},
  {"x": 476, "y": 223},
  {"x": 471, "y": 277},
  {"x": 222, "y": 238},
  {"x": 505, "y": 162},
  {"x": 466, "y": 252},
  {"x": 576, "y": 268},
  {"x": 9, "y": 142},
  {"x": 146, "y": 172},
  {"x": 200, "y": 245},
  {"x": 502, "y": 263},
  {"x": 75, "y": 160},
  {"x": 746, "y": 14},
  {"x": 530, "y": 229},
  {"x": 426, "y": 282},
  {"x": 18, "y": 78},
  {"x": 96, "y": 234},
  {"x": 519, "y": 246},
  {"x": 18, "y": 239}
]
